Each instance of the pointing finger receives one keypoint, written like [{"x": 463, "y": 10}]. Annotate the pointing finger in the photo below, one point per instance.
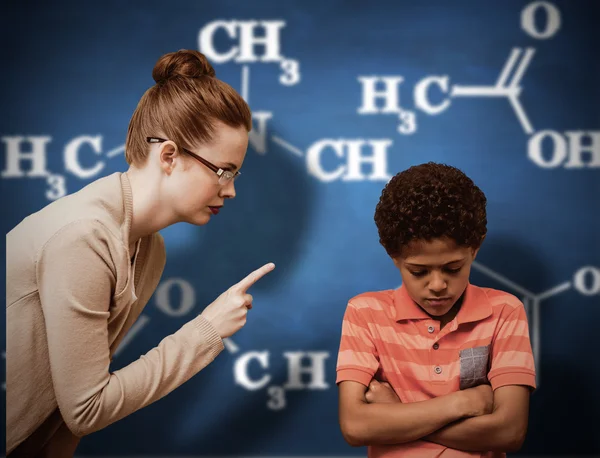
[{"x": 247, "y": 282}]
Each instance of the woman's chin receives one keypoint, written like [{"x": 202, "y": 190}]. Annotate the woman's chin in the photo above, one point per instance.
[{"x": 199, "y": 219}]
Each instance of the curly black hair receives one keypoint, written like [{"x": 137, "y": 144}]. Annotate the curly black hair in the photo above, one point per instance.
[{"x": 427, "y": 202}]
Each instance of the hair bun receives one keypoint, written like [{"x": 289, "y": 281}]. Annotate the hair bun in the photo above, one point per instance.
[{"x": 185, "y": 63}]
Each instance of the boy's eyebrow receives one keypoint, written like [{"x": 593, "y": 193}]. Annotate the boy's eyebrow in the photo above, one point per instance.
[{"x": 427, "y": 265}]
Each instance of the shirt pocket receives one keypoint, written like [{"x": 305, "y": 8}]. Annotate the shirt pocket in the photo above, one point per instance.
[{"x": 474, "y": 366}]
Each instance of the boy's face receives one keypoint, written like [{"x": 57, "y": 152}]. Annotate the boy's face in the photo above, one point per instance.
[{"x": 435, "y": 273}]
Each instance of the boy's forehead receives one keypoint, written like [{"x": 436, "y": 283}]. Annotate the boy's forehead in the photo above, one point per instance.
[{"x": 433, "y": 252}]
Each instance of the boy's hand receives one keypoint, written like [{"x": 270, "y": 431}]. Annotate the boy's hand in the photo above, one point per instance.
[
  {"x": 381, "y": 392},
  {"x": 479, "y": 400}
]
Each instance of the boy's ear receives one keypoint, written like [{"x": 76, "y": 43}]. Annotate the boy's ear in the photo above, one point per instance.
[{"x": 477, "y": 249}]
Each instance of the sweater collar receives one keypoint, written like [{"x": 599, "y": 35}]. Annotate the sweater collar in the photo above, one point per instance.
[{"x": 126, "y": 228}]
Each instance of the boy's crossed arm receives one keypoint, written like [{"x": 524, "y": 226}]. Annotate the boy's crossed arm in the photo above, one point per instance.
[
  {"x": 371, "y": 423},
  {"x": 502, "y": 430},
  {"x": 500, "y": 426}
]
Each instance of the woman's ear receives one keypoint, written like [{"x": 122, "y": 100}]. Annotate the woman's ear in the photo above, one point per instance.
[{"x": 168, "y": 155}]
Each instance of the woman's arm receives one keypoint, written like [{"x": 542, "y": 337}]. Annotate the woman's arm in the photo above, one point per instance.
[{"x": 76, "y": 279}]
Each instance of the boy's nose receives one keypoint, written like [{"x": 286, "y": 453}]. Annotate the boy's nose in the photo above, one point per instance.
[{"x": 437, "y": 282}]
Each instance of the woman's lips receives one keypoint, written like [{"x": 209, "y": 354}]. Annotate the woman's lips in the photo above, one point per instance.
[{"x": 215, "y": 210}]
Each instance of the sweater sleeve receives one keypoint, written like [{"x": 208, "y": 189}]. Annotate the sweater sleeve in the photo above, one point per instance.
[{"x": 76, "y": 280}]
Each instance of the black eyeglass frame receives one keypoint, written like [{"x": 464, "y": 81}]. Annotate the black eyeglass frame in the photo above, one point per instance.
[{"x": 225, "y": 176}]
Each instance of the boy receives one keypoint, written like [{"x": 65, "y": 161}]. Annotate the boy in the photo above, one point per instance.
[{"x": 437, "y": 367}]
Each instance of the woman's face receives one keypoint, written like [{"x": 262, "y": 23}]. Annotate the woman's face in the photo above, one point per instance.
[{"x": 193, "y": 187}]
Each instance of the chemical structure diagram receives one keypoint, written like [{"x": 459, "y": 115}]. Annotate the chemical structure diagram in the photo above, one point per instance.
[
  {"x": 567, "y": 149},
  {"x": 352, "y": 154},
  {"x": 586, "y": 281}
]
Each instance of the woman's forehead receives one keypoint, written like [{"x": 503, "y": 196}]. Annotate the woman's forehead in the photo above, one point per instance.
[{"x": 228, "y": 145}]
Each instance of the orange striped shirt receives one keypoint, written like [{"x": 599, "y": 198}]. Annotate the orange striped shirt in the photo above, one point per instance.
[{"x": 387, "y": 336}]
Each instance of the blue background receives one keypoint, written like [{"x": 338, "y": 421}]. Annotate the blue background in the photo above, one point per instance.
[{"x": 74, "y": 68}]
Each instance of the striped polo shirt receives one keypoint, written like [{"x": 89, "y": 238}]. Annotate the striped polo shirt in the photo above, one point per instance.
[{"x": 387, "y": 336}]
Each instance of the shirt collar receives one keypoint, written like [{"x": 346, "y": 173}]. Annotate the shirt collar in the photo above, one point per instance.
[
  {"x": 475, "y": 307},
  {"x": 406, "y": 308}
]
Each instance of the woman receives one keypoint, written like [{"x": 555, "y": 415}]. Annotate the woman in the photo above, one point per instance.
[{"x": 81, "y": 270}]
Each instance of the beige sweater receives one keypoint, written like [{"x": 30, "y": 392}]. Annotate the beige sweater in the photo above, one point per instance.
[{"x": 72, "y": 293}]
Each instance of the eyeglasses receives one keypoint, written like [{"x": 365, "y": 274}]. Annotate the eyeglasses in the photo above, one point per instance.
[{"x": 225, "y": 176}]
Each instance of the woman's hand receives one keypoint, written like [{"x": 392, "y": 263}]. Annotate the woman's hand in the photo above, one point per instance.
[{"x": 228, "y": 312}]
